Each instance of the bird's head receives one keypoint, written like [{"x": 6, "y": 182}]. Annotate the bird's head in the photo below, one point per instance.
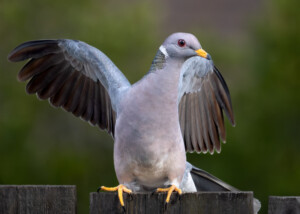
[{"x": 182, "y": 46}]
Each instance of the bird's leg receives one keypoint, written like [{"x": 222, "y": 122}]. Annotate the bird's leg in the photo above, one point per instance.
[
  {"x": 170, "y": 189},
  {"x": 120, "y": 188}
]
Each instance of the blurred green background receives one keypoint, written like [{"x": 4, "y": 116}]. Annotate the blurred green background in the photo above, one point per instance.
[{"x": 254, "y": 43}]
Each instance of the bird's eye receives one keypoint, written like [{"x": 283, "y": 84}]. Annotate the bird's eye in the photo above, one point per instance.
[{"x": 181, "y": 43}]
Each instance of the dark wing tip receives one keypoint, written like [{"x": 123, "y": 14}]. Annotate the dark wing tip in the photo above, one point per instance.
[
  {"x": 30, "y": 49},
  {"x": 229, "y": 110}
]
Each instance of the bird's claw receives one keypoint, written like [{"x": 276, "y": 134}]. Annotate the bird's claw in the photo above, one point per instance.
[
  {"x": 130, "y": 197},
  {"x": 124, "y": 209},
  {"x": 152, "y": 193},
  {"x": 170, "y": 189},
  {"x": 120, "y": 188}
]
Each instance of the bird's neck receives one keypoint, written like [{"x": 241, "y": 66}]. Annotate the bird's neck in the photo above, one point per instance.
[
  {"x": 153, "y": 99},
  {"x": 161, "y": 59},
  {"x": 163, "y": 79},
  {"x": 158, "y": 62}
]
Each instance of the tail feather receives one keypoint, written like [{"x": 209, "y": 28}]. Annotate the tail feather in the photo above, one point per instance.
[
  {"x": 207, "y": 182},
  {"x": 204, "y": 181}
]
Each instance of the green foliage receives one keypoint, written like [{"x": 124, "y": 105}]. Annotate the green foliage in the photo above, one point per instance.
[{"x": 276, "y": 100}]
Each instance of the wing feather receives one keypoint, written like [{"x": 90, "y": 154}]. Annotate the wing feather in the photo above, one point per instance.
[
  {"x": 197, "y": 114},
  {"x": 55, "y": 85},
  {"x": 89, "y": 111},
  {"x": 203, "y": 96},
  {"x": 204, "y": 120},
  {"x": 75, "y": 76},
  {"x": 83, "y": 97},
  {"x": 72, "y": 99},
  {"x": 213, "y": 130},
  {"x": 194, "y": 124},
  {"x": 59, "y": 98},
  {"x": 97, "y": 106},
  {"x": 187, "y": 136}
]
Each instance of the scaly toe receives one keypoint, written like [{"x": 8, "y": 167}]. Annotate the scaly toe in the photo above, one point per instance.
[
  {"x": 120, "y": 188},
  {"x": 170, "y": 189}
]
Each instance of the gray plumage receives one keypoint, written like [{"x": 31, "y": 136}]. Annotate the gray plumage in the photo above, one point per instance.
[{"x": 176, "y": 108}]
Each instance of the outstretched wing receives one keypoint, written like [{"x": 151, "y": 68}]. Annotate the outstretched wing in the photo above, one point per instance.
[
  {"x": 203, "y": 96},
  {"x": 75, "y": 76}
]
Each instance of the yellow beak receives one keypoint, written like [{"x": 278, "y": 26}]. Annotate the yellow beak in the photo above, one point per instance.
[{"x": 202, "y": 53}]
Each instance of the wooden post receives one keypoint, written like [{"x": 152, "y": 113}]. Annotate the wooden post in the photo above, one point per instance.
[
  {"x": 200, "y": 202},
  {"x": 35, "y": 199},
  {"x": 284, "y": 205}
]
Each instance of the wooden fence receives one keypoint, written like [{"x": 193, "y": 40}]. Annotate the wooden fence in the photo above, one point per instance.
[{"x": 32, "y": 199}]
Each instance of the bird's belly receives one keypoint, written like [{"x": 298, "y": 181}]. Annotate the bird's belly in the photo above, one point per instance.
[
  {"x": 148, "y": 150},
  {"x": 151, "y": 175},
  {"x": 149, "y": 164}
]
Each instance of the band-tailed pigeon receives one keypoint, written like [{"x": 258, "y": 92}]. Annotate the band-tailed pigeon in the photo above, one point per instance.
[{"x": 177, "y": 107}]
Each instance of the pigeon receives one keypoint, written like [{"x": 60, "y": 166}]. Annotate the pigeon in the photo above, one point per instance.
[{"x": 177, "y": 107}]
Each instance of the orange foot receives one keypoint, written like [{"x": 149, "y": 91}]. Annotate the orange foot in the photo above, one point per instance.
[
  {"x": 120, "y": 188},
  {"x": 170, "y": 189}
]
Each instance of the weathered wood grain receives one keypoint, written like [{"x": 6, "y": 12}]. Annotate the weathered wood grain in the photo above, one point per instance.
[
  {"x": 200, "y": 202},
  {"x": 35, "y": 199},
  {"x": 284, "y": 205}
]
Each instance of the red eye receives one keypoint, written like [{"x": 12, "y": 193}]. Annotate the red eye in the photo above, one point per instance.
[{"x": 181, "y": 43}]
